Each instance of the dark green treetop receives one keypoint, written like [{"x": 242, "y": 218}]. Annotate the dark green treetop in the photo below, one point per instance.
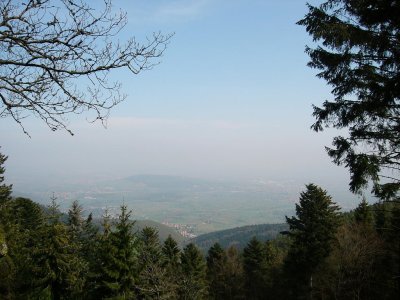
[
  {"x": 171, "y": 252},
  {"x": 312, "y": 231},
  {"x": 215, "y": 255},
  {"x": 363, "y": 213},
  {"x": 171, "y": 264},
  {"x": 314, "y": 227},
  {"x": 118, "y": 259},
  {"x": 358, "y": 55},
  {"x": 193, "y": 283},
  {"x": 216, "y": 264},
  {"x": 5, "y": 190},
  {"x": 255, "y": 267},
  {"x": 75, "y": 218},
  {"x": 16, "y": 276},
  {"x": 58, "y": 269}
]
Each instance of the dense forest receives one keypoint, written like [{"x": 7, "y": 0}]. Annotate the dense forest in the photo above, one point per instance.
[
  {"x": 325, "y": 254},
  {"x": 238, "y": 236}
]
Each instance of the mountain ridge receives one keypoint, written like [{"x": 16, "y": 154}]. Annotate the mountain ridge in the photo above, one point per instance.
[{"x": 239, "y": 236}]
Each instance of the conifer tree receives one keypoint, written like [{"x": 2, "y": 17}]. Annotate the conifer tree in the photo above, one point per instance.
[
  {"x": 357, "y": 54},
  {"x": 193, "y": 282},
  {"x": 118, "y": 259},
  {"x": 75, "y": 219},
  {"x": 171, "y": 253},
  {"x": 82, "y": 237},
  {"x": 255, "y": 267},
  {"x": 171, "y": 264},
  {"x": 58, "y": 271},
  {"x": 363, "y": 213},
  {"x": 153, "y": 282},
  {"x": 313, "y": 232},
  {"x": 7, "y": 269},
  {"x": 216, "y": 262},
  {"x": 90, "y": 239},
  {"x": 90, "y": 231},
  {"x": 3, "y": 244},
  {"x": 97, "y": 282},
  {"x": 91, "y": 245},
  {"x": 5, "y": 190},
  {"x": 5, "y": 196},
  {"x": 28, "y": 219},
  {"x": 274, "y": 259}
]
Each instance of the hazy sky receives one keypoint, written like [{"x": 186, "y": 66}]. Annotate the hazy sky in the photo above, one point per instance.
[{"x": 231, "y": 99}]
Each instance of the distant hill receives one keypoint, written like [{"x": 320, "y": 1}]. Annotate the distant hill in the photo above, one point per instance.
[
  {"x": 199, "y": 205},
  {"x": 239, "y": 236}
]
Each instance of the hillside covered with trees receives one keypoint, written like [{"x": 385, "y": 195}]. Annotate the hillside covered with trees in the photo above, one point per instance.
[
  {"x": 321, "y": 253},
  {"x": 239, "y": 236},
  {"x": 325, "y": 254}
]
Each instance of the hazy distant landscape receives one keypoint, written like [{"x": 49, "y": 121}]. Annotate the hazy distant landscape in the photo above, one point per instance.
[
  {"x": 200, "y": 150},
  {"x": 194, "y": 206}
]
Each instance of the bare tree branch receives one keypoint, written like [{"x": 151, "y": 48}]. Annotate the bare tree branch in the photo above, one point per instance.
[{"x": 56, "y": 57}]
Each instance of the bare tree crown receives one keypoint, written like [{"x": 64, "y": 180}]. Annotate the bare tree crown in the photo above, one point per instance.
[{"x": 56, "y": 57}]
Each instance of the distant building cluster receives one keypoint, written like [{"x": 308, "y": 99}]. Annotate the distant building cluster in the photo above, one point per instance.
[{"x": 183, "y": 229}]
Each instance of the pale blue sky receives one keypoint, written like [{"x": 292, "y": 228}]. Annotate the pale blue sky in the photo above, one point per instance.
[{"x": 231, "y": 99}]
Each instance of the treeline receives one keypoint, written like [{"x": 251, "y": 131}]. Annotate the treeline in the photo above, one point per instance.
[
  {"x": 239, "y": 236},
  {"x": 325, "y": 254}
]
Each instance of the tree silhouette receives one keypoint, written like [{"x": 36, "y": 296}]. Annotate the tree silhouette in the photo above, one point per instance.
[
  {"x": 313, "y": 232},
  {"x": 56, "y": 57},
  {"x": 359, "y": 57}
]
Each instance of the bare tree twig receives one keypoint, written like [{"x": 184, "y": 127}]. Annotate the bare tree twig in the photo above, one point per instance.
[{"x": 56, "y": 57}]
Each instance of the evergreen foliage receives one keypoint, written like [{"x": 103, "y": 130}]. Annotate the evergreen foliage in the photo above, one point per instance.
[
  {"x": 255, "y": 267},
  {"x": 363, "y": 213},
  {"x": 75, "y": 219},
  {"x": 28, "y": 221},
  {"x": 153, "y": 282},
  {"x": 239, "y": 236},
  {"x": 193, "y": 284},
  {"x": 90, "y": 246},
  {"x": 57, "y": 269},
  {"x": 5, "y": 190},
  {"x": 118, "y": 259},
  {"x": 358, "y": 56},
  {"x": 172, "y": 264},
  {"x": 171, "y": 252},
  {"x": 216, "y": 262},
  {"x": 50, "y": 256},
  {"x": 313, "y": 232}
]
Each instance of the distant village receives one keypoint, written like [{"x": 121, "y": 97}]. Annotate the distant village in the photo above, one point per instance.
[{"x": 183, "y": 229}]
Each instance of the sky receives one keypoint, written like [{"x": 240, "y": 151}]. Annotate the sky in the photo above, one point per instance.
[{"x": 231, "y": 99}]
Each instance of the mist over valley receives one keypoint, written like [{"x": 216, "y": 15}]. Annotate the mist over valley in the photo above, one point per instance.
[{"x": 191, "y": 205}]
